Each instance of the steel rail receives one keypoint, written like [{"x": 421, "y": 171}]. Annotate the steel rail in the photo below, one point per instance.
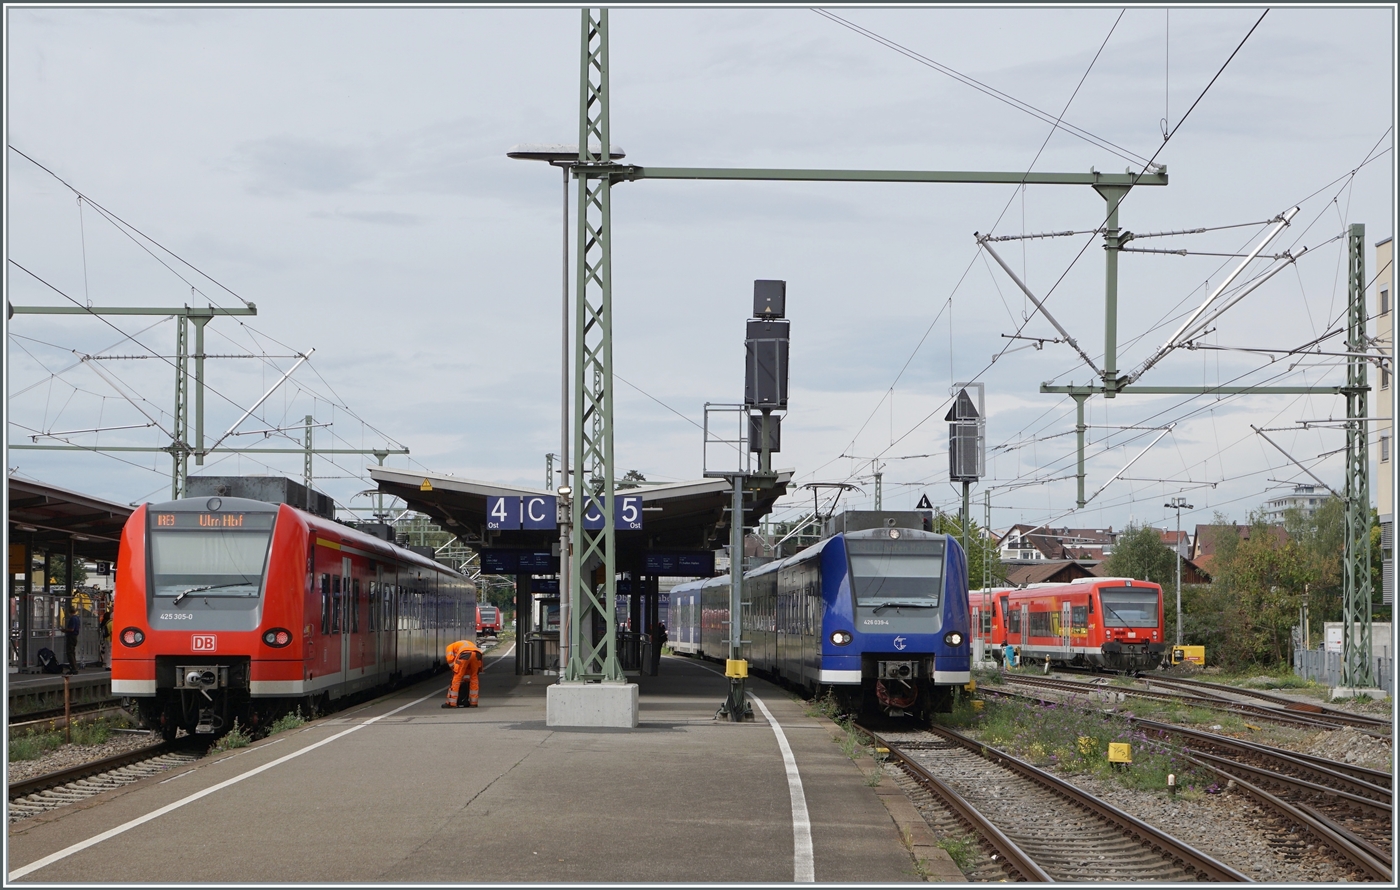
[
  {"x": 1188, "y": 856},
  {"x": 1359, "y": 779},
  {"x": 1014, "y": 857},
  {"x": 1354, "y": 853},
  {"x": 86, "y": 709},
  {"x": 1336, "y": 714},
  {"x": 1277, "y": 715},
  {"x": 82, "y": 771},
  {"x": 1295, "y": 784}
]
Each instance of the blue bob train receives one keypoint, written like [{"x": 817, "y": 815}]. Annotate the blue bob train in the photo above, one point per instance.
[{"x": 877, "y": 613}]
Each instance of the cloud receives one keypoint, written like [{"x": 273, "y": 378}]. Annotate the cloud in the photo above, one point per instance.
[
  {"x": 282, "y": 165},
  {"x": 378, "y": 217}
]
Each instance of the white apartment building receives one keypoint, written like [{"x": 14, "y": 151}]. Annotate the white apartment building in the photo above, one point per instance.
[{"x": 1307, "y": 498}]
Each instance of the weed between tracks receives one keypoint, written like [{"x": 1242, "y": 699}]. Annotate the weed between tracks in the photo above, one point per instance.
[
  {"x": 1063, "y": 737},
  {"x": 962, "y": 850},
  {"x": 237, "y": 737},
  {"x": 37, "y": 742}
]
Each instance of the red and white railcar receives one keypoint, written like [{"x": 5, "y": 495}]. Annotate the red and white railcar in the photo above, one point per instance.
[
  {"x": 1111, "y": 623},
  {"x": 234, "y": 608}
]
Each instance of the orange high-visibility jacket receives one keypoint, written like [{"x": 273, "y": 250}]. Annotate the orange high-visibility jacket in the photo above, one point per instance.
[{"x": 461, "y": 648}]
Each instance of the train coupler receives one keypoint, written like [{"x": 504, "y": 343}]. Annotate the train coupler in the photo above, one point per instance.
[{"x": 209, "y": 722}]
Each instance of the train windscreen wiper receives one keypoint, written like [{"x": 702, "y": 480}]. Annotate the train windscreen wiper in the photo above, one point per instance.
[
  {"x": 905, "y": 605},
  {"x": 184, "y": 593}
]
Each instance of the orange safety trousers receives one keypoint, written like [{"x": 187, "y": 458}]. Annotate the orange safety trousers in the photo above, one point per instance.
[{"x": 465, "y": 659}]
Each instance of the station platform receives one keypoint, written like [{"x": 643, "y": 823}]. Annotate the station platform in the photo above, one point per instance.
[{"x": 400, "y": 790}]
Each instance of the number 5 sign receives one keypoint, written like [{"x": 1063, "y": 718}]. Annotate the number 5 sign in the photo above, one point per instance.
[{"x": 627, "y": 513}]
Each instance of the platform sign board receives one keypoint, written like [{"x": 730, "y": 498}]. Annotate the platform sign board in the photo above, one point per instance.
[
  {"x": 516, "y": 512},
  {"x": 695, "y": 564},
  {"x": 539, "y": 512},
  {"x": 495, "y": 561},
  {"x": 545, "y": 585},
  {"x": 627, "y": 513}
]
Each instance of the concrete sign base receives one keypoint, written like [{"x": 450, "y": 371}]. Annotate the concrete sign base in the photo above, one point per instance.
[{"x": 592, "y": 704}]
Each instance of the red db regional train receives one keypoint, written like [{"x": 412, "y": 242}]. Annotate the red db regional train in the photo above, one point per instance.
[
  {"x": 1110, "y": 623},
  {"x": 230, "y": 608}
]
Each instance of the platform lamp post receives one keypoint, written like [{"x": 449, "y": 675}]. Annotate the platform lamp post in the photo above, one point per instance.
[
  {"x": 563, "y": 156},
  {"x": 1178, "y": 504}
]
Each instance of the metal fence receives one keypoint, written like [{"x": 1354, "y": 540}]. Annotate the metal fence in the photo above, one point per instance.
[{"x": 1326, "y": 667}]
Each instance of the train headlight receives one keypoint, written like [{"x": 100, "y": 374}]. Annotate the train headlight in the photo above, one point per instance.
[
  {"x": 277, "y": 637},
  {"x": 953, "y": 638},
  {"x": 841, "y": 637},
  {"x": 132, "y": 636}
]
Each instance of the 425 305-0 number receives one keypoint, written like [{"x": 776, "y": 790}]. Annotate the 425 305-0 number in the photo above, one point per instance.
[{"x": 176, "y": 616}]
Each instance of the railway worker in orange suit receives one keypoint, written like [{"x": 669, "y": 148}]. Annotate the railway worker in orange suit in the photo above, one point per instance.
[{"x": 465, "y": 660}]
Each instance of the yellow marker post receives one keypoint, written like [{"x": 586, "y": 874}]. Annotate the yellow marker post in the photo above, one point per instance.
[
  {"x": 1120, "y": 754},
  {"x": 736, "y": 668}
]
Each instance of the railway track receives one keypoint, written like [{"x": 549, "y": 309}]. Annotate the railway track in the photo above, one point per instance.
[
  {"x": 1335, "y": 715},
  {"x": 86, "y": 709},
  {"x": 1290, "y": 717},
  {"x": 1035, "y": 836},
  {"x": 1345, "y": 808},
  {"x": 59, "y": 789}
]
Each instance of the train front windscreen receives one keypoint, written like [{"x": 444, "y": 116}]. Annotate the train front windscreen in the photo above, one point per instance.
[
  {"x": 907, "y": 572},
  {"x": 208, "y": 554},
  {"x": 1129, "y": 606}
]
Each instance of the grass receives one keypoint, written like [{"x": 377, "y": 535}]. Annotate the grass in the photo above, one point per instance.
[
  {"x": 37, "y": 742},
  {"x": 1063, "y": 737},
  {"x": 962, "y": 850},
  {"x": 237, "y": 737},
  {"x": 286, "y": 722}
]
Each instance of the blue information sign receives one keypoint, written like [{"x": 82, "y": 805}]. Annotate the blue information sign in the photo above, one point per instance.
[
  {"x": 518, "y": 562},
  {"x": 699, "y": 563},
  {"x": 627, "y": 513},
  {"x": 515, "y": 512}
]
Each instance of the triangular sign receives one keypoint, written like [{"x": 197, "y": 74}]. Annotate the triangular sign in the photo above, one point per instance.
[
  {"x": 924, "y": 504},
  {"x": 962, "y": 409},
  {"x": 426, "y": 486}
]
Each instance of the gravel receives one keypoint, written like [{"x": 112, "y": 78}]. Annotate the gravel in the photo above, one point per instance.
[
  {"x": 66, "y": 756},
  {"x": 1227, "y": 826}
]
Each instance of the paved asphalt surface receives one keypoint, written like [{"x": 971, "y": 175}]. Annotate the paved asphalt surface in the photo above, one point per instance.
[{"x": 401, "y": 790}]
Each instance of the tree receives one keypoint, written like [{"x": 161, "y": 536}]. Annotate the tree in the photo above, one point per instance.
[
  {"x": 631, "y": 479},
  {"x": 1260, "y": 582},
  {"x": 1140, "y": 553},
  {"x": 983, "y": 558}
]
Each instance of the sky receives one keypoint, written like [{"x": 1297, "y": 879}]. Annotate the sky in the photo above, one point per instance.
[{"x": 345, "y": 171}]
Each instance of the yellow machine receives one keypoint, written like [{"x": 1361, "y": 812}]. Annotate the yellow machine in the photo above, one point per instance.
[{"x": 1194, "y": 654}]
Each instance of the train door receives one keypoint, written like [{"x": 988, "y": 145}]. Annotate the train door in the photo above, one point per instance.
[
  {"x": 342, "y": 618},
  {"x": 1065, "y": 625},
  {"x": 1025, "y": 635}
]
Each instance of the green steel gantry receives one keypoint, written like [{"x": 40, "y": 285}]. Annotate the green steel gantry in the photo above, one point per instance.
[
  {"x": 592, "y": 550},
  {"x": 1357, "y": 664},
  {"x": 181, "y": 447}
]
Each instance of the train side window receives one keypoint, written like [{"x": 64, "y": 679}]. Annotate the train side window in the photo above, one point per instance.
[
  {"x": 1013, "y": 622},
  {"x": 325, "y": 603},
  {"x": 1079, "y": 617},
  {"x": 354, "y": 621},
  {"x": 371, "y": 589},
  {"x": 1091, "y": 602},
  {"x": 335, "y": 604}
]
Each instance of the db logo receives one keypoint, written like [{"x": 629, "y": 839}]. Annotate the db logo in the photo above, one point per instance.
[{"x": 202, "y": 642}]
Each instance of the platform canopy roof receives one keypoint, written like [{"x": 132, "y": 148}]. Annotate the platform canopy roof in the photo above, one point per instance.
[
  {"x": 48, "y": 518},
  {"x": 676, "y": 515}
]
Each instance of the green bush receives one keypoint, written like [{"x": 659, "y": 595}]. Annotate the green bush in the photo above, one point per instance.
[
  {"x": 286, "y": 722},
  {"x": 237, "y": 737},
  {"x": 93, "y": 732},
  {"x": 34, "y": 745},
  {"x": 1064, "y": 737}
]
